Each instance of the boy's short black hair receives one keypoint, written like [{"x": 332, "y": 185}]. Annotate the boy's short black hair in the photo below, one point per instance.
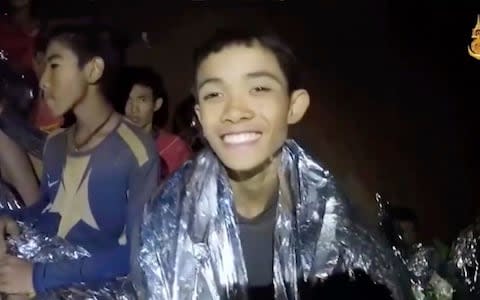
[
  {"x": 89, "y": 40},
  {"x": 243, "y": 36},
  {"x": 149, "y": 78}
]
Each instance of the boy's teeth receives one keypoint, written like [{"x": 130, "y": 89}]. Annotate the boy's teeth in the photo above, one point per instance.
[{"x": 239, "y": 138}]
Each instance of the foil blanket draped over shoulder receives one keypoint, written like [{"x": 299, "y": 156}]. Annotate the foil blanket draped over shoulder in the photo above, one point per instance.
[
  {"x": 36, "y": 247},
  {"x": 423, "y": 262},
  {"x": 466, "y": 258},
  {"x": 190, "y": 246}
]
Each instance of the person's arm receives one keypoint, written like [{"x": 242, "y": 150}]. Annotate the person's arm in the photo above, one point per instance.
[
  {"x": 31, "y": 213},
  {"x": 101, "y": 266},
  {"x": 109, "y": 264},
  {"x": 17, "y": 170},
  {"x": 22, "y": 132}
]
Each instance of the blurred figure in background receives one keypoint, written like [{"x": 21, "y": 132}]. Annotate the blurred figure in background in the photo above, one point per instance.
[
  {"x": 147, "y": 107},
  {"x": 18, "y": 28},
  {"x": 24, "y": 46}
]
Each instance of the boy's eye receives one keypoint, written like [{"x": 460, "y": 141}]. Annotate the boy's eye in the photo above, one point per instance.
[
  {"x": 260, "y": 89},
  {"x": 53, "y": 66},
  {"x": 211, "y": 95}
]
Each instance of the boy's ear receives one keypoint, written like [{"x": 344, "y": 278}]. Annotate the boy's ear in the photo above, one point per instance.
[
  {"x": 94, "y": 69},
  {"x": 197, "y": 113},
  {"x": 299, "y": 103},
  {"x": 158, "y": 104}
]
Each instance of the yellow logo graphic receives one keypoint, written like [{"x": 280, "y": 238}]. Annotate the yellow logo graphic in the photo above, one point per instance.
[{"x": 474, "y": 48}]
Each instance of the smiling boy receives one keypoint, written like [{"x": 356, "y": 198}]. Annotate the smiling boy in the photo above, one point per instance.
[{"x": 254, "y": 212}]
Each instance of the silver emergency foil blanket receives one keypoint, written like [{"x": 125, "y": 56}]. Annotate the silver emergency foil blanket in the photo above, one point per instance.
[
  {"x": 466, "y": 257},
  {"x": 421, "y": 261},
  {"x": 36, "y": 247},
  {"x": 190, "y": 247},
  {"x": 420, "y": 266}
]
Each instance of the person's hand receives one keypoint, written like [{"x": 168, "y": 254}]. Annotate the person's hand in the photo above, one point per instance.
[
  {"x": 16, "y": 275},
  {"x": 8, "y": 226}
]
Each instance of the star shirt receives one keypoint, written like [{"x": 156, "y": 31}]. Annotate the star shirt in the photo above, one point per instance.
[{"x": 91, "y": 199}]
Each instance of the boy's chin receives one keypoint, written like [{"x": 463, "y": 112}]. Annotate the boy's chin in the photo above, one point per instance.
[
  {"x": 245, "y": 169},
  {"x": 137, "y": 124},
  {"x": 58, "y": 110}
]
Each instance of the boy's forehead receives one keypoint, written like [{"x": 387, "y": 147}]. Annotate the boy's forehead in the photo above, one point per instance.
[
  {"x": 141, "y": 90},
  {"x": 239, "y": 60},
  {"x": 57, "y": 49}
]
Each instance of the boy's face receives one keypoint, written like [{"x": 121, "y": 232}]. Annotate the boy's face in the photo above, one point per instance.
[
  {"x": 141, "y": 106},
  {"x": 244, "y": 105},
  {"x": 63, "y": 82}
]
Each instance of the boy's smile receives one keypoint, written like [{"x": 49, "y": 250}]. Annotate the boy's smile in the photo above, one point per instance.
[{"x": 241, "y": 138}]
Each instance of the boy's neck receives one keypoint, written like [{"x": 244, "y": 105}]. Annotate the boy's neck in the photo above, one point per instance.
[
  {"x": 91, "y": 111},
  {"x": 253, "y": 192},
  {"x": 148, "y": 128}
]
